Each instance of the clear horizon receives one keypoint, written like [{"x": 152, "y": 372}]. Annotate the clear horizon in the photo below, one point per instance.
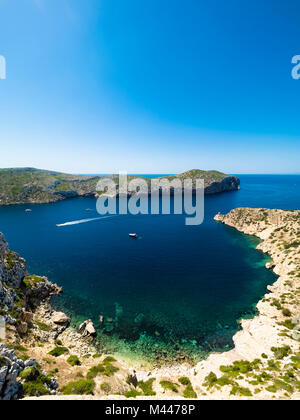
[
  {"x": 154, "y": 173},
  {"x": 106, "y": 86}
]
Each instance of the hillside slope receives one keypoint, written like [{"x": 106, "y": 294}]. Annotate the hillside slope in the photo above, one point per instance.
[{"x": 29, "y": 185}]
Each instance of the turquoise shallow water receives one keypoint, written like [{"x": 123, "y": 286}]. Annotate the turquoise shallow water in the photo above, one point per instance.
[{"x": 177, "y": 291}]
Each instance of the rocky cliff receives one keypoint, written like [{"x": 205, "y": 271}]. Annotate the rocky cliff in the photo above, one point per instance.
[
  {"x": 12, "y": 271},
  {"x": 20, "y": 294},
  {"x": 229, "y": 183}
]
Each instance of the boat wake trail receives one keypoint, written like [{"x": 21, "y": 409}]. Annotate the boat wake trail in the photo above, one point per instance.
[{"x": 78, "y": 222}]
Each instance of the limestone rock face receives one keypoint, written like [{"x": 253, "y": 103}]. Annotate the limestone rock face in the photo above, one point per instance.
[
  {"x": 87, "y": 329},
  {"x": 230, "y": 183},
  {"x": 27, "y": 317},
  {"x": 41, "y": 291},
  {"x": 12, "y": 271},
  {"x": 270, "y": 266},
  {"x": 10, "y": 367},
  {"x": 60, "y": 318}
]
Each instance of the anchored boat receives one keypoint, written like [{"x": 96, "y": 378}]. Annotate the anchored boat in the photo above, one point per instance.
[{"x": 133, "y": 235}]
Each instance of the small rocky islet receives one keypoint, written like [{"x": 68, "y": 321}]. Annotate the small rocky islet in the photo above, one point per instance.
[{"x": 42, "y": 356}]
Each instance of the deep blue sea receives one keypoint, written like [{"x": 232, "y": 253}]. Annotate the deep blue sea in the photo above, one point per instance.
[{"x": 176, "y": 291}]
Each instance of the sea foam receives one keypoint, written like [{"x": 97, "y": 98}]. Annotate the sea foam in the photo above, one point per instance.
[{"x": 78, "y": 222}]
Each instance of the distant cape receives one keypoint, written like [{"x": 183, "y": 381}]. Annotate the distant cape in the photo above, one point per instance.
[{"x": 30, "y": 185}]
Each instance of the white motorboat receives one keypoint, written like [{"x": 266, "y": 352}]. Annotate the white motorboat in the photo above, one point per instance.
[{"x": 133, "y": 235}]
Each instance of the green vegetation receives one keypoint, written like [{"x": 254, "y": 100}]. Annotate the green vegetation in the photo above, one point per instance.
[
  {"x": 133, "y": 393},
  {"x": 43, "y": 327},
  {"x": 109, "y": 359},
  {"x": 296, "y": 362},
  {"x": 273, "y": 366},
  {"x": 238, "y": 390},
  {"x": 86, "y": 356},
  {"x": 97, "y": 356},
  {"x": 286, "y": 312},
  {"x": 189, "y": 391},
  {"x": 146, "y": 387},
  {"x": 110, "y": 370},
  {"x": 169, "y": 386},
  {"x": 288, "y": 324},
  {"x": 184, "y": 381},
  {"x": 29, "y": 185},
  {"x": 31, "y": 281},
  {"x": 281, "y": 352},
  {"x": 81, "y": 387},
  {"x": 10, "y": 259},
  {"x": 34, "y": 382},
  {"x": 95, "y": 371},
  {"x": 2, "y": 361},
  {"x": 240, "y": 367},
  {"x": 29, "y": 374},
  {"x": 208, "y": 176},
  {"x": 105, "y": 368},
  {"x": 34, "y": 389},
  {"x": 17, "y": 347},
  {"x": 58, "y": 351},
  {"x": 271, "y": 388},
  {"x": 210, "y": 380},
  {"x": 74, "y": 361}
]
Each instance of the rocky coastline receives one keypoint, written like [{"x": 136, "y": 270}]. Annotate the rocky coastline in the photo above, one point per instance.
[
  {"x": 42, "y": 357},
  {"x": 35, "y": 186}
]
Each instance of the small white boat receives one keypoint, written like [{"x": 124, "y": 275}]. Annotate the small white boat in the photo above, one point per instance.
[
  {"x": 28, "y": 210},
  {"x": 133, "y": 235}
]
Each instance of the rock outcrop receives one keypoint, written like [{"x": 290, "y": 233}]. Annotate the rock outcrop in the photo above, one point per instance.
[
  {"x": 87, "y": 329},
  {"x": 60, "y": 318},
  {"x": 20, "y": 295},
  {"x": 10, "y": 367},
  {"x": 12, "y": 271},
  {"x": 230, "y": 183},
  {"x": 279, "y": 231}
]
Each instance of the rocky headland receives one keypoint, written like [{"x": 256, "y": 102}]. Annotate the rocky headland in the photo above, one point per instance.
[
  {"x": 41, "y": 356},
  {"x": 35, "y": 186}
]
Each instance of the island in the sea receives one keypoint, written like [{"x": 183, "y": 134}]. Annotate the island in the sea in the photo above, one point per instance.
[
  {"x": 29, "y": 185},
  {"x": 43, "y": 357}
]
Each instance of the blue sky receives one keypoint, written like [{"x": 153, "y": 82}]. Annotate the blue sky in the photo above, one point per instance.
[{"x": 150, "y": 86}]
